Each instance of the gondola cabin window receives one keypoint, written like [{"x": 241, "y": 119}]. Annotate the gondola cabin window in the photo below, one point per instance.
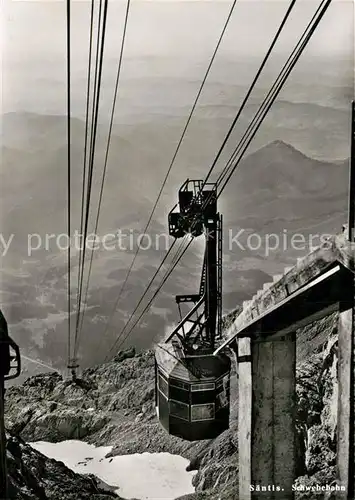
[
  {"x": 179, "y": 385},
  {"x": 179, "y": 410},
  {"x": 222, "y": 391},
  {"x": 202, "y": 412},
  {"x": 163, "y": 386},
  {"x": 203, "y": 387}
]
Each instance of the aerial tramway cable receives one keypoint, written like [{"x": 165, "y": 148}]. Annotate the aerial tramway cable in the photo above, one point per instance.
[
  {"x": 315, "y": 20},
  {"x": 105, "y": 167},
  {"x": 276, "y": 87},
  {"x": 144, "y": 294},
  {"x": 276, "y": 84},
  {"x": 192, "y": 111},
  {"x": 87, "y": 160},
  {"x": 251, "y": 88},
  {"x": 274, "y": 92},
  {"x": 245, "y": 100},
  {"x": 68, "y": 26},
  {"x": 180, "y": 252},
  {"x": 231, "y": 128},
  {"x": 85, "y": 152},
  {"x": 172, "y": 162},
  {"x": 96, "y": 101},
  {"x": 82, "y": 249},
  {"x": 177, "y": 150}
]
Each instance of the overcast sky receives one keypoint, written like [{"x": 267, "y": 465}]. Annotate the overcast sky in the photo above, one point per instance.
[
  {"x": 165, "y": 26},
  {"x": 34, "y": 42}
]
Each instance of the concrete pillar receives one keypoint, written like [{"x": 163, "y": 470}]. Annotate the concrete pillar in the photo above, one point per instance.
[
  {"x": 267, "y": 386},
  {"x": 244, "y": 417},
  {"x": 346, "y": 377}
]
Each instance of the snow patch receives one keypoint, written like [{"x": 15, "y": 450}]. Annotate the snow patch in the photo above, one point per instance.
[{"x": 146, "y": 476}]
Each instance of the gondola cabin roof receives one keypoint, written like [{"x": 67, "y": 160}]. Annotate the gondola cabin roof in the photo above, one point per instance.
[{"x": 190, "y": 368}]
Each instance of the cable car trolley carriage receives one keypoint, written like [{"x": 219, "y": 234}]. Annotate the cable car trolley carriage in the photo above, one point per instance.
[{"x": 193, "y": 385}]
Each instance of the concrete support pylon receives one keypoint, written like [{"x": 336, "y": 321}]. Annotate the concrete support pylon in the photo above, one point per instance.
[{"x": 267, "y": 409}]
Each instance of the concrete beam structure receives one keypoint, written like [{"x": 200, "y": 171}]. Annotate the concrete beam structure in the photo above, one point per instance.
[
  {"x": 263, "y": 336},
  {"x": 337, "y": 251}
]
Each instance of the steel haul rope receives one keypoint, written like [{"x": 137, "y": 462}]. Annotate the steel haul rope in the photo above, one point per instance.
[
  {"x": 92, "y": 145},
  {"x": 85, "y": 147},
  {"x": 92, "y": 152},
  {"x": 69, "y": 173},
  {"x": 105, "y": 166},
  {"x": 312, "y": 26},
  {"x": 192, "y": 111},
  {"x": 144, "y": 294},
  {"x": 276, "y": 88},
  {"x": 235, "y": 120}
]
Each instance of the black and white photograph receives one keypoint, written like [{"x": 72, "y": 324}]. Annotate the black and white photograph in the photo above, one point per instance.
[{"x": 177, "y": 250}]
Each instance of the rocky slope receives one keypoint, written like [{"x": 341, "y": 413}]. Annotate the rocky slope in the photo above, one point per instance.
[
  {"x": 317, "y": 393},
  {"x": 113, "y": 404}
]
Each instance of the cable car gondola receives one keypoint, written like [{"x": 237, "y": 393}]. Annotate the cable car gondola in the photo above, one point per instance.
[{"x": 192, "y": 385}]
